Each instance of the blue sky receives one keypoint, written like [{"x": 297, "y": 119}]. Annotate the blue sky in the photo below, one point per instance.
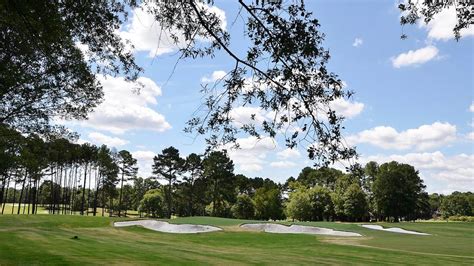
[{"x": 413, "y": 101}]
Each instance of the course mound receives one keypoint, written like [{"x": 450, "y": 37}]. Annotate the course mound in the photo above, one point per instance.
[
  {"x": 166, "y": 227},
  {"x": 296, "y": 229},
  {"x": 392, "y": 229}
]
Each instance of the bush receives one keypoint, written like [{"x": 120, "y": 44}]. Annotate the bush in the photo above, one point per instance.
[{"x": 458, "y": 218}]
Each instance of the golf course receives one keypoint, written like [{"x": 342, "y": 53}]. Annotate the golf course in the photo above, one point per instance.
[{"x": 63, "y": 239}]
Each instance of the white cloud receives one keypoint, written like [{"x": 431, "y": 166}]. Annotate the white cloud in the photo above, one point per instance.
[
  {"x": 422, "y": 138},
  {"x": 416, "y": 57},
  {"x": 100, "y": 138},
  {"x": 471, "y": 108},
  {"x": 289, "y": 153},
  {"x": 124, "y": 110},
  {"x": 146, "y": 34},
  {"x": 346, "y": 108},
  {"x": 283, "y": 164},
  {"x": 243, "y": 115},
  {"x": 145, "y": 161},
  {"x": 442, "y": 24},
  {"x": 250, "y": 157},
  {"x": 215, "y": 76},
  {"x": 450, "y": 172},
  {"x": 357, "y": 42},
  {"x": 470, "y": 136}
]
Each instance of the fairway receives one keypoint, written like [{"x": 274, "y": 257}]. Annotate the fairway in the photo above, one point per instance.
[{"x": 48, "y": 239}]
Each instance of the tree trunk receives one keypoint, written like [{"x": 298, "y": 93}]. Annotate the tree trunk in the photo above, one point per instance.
[
  {"x": 84, "y": 190},
  {"x": 14, "y": 196},
  {"x": 121, "y": 188},
  {"x": 21, "y": 194},
  {"x": 97, "y": 184},
  {"x": 169, "y": 199},
  {"x": 6, "y": 195}
]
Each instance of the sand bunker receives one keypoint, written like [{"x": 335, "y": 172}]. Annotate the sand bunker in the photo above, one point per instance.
[
  {"x": 170, "y": 228},
  {"x": 392, "y": 229},
  {"x": 296, "y": 229}
]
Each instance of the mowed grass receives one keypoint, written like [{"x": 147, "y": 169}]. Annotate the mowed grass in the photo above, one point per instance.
[{"x": 48, "y": 239}]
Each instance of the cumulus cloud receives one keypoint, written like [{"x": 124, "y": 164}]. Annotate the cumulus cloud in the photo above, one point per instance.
[
  {"x": 145, "y": 161},
  {"x": 124, "y": 110},
  {"x": 288, "y": 154},
  {"x": 146, "y": 34},
  {"x": 442, "y": 24},
  {"x": 415, "y": 57},
  {"x": 252, "y": 152},
  {"x": 453, "y": 172},
  {"x": 100, "y": 138},
  {"x": 470, "y": 136},
  {"x": 471, "y": 108},
  {"x": 357, "y": 42},
  {"x": 346, "y": 108},
  {"x": 422, "y": 138},
  {"x": 215, "y": 76},
  {"x": 283, "y": 164}
]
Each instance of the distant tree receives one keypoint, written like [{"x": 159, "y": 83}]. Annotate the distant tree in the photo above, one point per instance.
[
  {"x": 128, "y": 168},
  {"x": 397, "y": 188},
  {"x": 244, "y": 207},
  {"x": 194, "y": 169},
  {"x": 355, "y": 203},
  {"x": 299, "y": 205},
  {"x": 456, "y": 204},
  {"x": 323, "y": 176},
  {"x": 435, "y": 200},
  {"x": 322, "y": 207},
  {"x": 219, "y": 171},
  {"x": 268, "y": 203},
  {"x": 168, "y": 166},
  {"x": 152, "y": 203}
]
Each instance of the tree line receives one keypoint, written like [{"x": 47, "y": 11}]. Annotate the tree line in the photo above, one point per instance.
[{"x": 68, "y": 178}]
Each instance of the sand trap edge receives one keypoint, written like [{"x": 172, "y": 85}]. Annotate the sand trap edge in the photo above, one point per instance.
[
  {"x": 166, "y": 227},
  {"x": 296, "y": 229},
  {"x": 392, "y": 229}
]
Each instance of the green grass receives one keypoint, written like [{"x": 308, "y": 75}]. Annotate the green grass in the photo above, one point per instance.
[{"x": 47, "y": 239}]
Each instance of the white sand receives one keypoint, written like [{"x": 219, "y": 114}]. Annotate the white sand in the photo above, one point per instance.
[
  {"x": 296, "y": 229},
  {"x": 392, "y": 229},
  {"x": 169, "y": 228}
]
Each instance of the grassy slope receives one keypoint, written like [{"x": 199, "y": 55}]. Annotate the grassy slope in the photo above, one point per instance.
[{"x": 47, "y": 239}]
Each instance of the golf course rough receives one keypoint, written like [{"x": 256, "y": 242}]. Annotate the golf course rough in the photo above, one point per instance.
[
  {"x": 392, "y": 229},
  {"x": 296, "y": 229},
  {"x": 166, "y": 227}
]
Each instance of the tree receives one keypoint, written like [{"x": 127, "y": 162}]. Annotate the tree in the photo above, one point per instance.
[
  {"x": 219, "y": 171},
  {"x": 322, "y": 207},
  {"x": 127, "y": 165},
  {"x": 414, "y": 11},
  {"x": 44, "y": 73},
  {"x": 268, "y": 203},
  {"x": 193, "y": 166},
  {"x": 299, "y": 205},
  {"x": 296, "y": 84},
  {"x": 298, "y": 88},
  {"x": 152, "y": 203},
  {"x": 355, "y": 203},
  {"x": 396, "y": 190},
  {"x": 323, "y": 176},
  {"x": 244, "y": 207},
  {"x": 456, "y": 204},
  {"x": 168, "y": 166}
]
